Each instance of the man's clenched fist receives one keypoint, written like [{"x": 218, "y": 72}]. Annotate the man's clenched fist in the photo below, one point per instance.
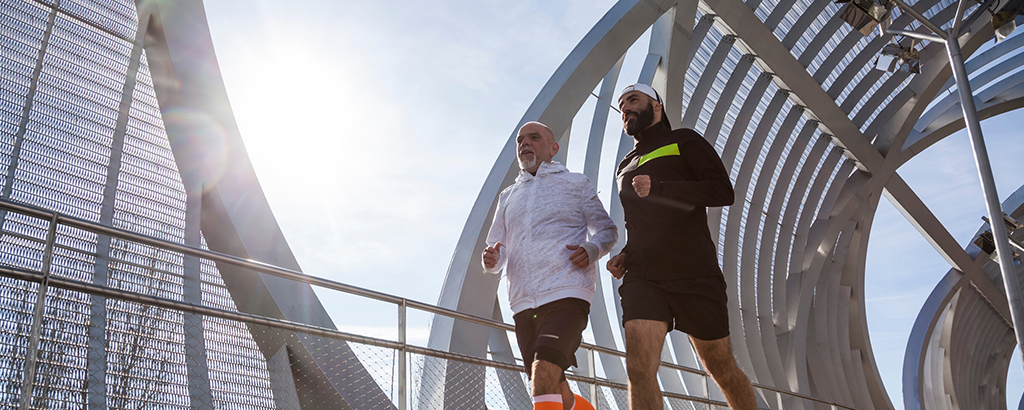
[
  {"x": 579, "y": 257},
  {"x": 490, "y": 255},
  {"x": 617, "y": 265},
  {"x": 642, "y": 185}
]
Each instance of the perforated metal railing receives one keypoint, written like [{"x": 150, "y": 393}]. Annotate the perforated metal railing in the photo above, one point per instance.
[{"x": 172, "y": 354}]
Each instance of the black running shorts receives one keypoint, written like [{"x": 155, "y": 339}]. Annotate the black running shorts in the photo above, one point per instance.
[
  {"x": 695, "y": 306},
  {"x": 552, "y": 332}
]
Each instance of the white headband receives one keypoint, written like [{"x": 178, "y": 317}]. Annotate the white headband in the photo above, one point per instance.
[{"x": 644, "y": 88}]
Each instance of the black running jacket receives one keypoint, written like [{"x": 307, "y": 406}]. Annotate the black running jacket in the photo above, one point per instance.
[{"x": 667, "y": 231}]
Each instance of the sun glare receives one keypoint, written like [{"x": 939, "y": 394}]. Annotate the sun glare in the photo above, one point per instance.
[{"x": 305, "y": 115}]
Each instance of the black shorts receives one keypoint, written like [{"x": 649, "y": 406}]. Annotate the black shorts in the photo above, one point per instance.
[
  {"x": 695, "y": 306},
  {"x": 552, "y": 332}
]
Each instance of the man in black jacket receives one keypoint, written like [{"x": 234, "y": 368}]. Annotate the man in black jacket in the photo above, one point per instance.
[{"x": 670, "y": 264}]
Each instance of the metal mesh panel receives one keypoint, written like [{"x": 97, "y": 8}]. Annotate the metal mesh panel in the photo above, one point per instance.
[
  {"x": 145, "y": 358},
  {"x": 118, "y": 17},
  {"x": 63, "y": 335},
  {"x": 237, "y": 380}
]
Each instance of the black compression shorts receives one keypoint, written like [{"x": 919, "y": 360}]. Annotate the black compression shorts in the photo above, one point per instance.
[{"x": 695, "y": 306}]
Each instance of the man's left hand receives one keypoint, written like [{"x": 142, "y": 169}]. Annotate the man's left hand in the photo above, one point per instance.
[
  {"x": 642, "y": 185},
  {"x": 579, "y": 258}
]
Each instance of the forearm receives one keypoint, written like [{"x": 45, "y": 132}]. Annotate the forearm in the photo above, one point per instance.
[{"x": 708, "y": 192}]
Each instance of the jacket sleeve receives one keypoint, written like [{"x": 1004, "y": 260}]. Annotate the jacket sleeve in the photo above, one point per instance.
[
  {"x": 602, "y": 231},
  {"x": 712, "y": 187},
  {"x": 497, "y": 234}
]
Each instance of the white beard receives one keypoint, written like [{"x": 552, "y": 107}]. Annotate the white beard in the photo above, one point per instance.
[{"x": 528, "y": 164}]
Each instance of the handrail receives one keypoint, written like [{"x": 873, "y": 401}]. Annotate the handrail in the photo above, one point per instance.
[{"x": 89, "y": 226}]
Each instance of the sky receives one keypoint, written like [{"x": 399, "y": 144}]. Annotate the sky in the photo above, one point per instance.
[{"x": 372, "y": 126}]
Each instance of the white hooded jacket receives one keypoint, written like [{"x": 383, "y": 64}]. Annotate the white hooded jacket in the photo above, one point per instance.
[{"x": 536, "y": 217}]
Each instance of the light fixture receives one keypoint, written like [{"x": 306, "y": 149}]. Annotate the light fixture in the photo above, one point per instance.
[
  {"x": 987, "y": 243},
  {"x": 1004, "y": 24},
  {"x": 865, "y": 15},
  {"x": 897, "y": 58},
  {"x": 1004, "y": 18}
]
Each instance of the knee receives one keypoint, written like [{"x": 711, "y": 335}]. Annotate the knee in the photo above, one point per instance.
[
  {"x": 641, "y": 368},
  {"x": 725, "y": 369},
  {"x": 720, "y": 366}
]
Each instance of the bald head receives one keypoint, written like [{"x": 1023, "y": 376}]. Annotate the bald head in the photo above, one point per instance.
[{"x": 535, "y": 143}]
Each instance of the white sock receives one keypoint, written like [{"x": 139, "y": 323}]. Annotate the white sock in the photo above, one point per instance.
[{"x": 548, "y": 398}]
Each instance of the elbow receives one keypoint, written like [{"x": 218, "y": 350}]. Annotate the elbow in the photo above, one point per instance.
[{"x": 727, "y": 198}]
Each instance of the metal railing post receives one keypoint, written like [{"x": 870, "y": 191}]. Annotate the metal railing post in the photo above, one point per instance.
[
  {"x": 402, "y": 393},
  {"x": 707, "y": 389},
  {"x": 28, "y": 382},
  {"x": 593, "y": 386}
]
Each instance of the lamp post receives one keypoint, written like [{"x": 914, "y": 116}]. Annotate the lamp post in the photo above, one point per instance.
[{"x": 1007, "y": 11}]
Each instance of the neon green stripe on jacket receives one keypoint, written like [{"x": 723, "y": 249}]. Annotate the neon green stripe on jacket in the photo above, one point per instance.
[{"x": 668, "y": 150}]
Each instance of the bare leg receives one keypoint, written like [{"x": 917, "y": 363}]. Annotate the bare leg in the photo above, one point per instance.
[
  {"x": 567, "y": 396},
  {"x": 720, "y": 363},
  {"x": 546, "y": 377},
  {"x": 644, "y": 339}
]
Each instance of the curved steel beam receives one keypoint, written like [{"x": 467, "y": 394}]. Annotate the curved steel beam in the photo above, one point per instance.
[{"x": 236, "y": 218}]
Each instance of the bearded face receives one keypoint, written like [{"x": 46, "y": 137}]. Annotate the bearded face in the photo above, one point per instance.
[{"x": 636, "y": 121}]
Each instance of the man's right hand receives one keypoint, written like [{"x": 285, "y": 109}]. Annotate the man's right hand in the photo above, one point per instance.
[
  {"x": 490, "y": 255},
  {"x": 617, "y": 265}
]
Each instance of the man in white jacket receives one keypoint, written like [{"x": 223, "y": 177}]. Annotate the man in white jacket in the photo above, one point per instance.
[{"x": 539, "y": 234}]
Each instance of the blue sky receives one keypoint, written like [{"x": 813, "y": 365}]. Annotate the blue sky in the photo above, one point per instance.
[{"x": 372, "y": 126}]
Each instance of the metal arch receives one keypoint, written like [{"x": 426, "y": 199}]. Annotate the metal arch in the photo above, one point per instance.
[
  {"x": 783, "y": 261},
  {"x": 706, "y": 80},
  {"x": 742, "y": 22},
  {"x": 1014, "y": 99},
  {"x": 859, "y": 90},
  {"x": 730, "y": 261},
  {"x": 827, "y": 363},
  {"x": 835, "y": 56},
  {"x": 675, "y": 40},
  {"x": 197, "y": 116},
  {"x": 804, "y": 23},
  {"x": 762, "y": 345},
  {"x": 878, "y": 97},
  {"x": 796, "y": 376},
  {"x": 927, "y": 129},
  {"x": 899, "y": 103},
  {"x": 819, "y": 42},
  {"x": 768, "y": 269},
  {"x": 729, "y": 94},
  {"x": 782, "y": 8},
  {"x": 802, "y": 275},
  {"x": 927, "y": 325}
]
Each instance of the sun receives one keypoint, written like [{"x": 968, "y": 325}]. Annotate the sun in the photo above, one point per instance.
[{"x": 305, "y": 115}]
